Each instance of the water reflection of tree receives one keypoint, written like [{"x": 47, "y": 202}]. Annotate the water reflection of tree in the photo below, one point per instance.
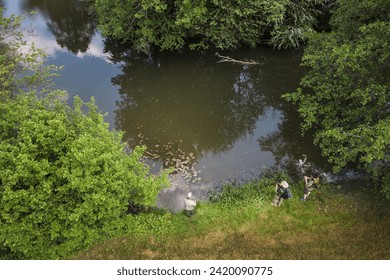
[
  {"x": 189, "y": 97},
  {"x": 288, "y": 146},
  {"x": 286, "y": 143},
  {"x": 69, "y": 21},
  {"x": 171, "y": 99}
]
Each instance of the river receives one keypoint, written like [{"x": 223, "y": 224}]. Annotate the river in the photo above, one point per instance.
[{"x": 213, "y": 121}]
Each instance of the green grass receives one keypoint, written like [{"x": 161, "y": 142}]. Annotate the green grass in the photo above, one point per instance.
[{"x": 242, "y": 224}]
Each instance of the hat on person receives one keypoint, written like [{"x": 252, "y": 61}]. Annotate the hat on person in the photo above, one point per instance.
[
  {"x": 189, "y": 194},
  {"x": 284, "y": 184}
]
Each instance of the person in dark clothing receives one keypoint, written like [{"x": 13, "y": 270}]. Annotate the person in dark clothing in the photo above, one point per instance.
[{"x": 282, "y": 192}]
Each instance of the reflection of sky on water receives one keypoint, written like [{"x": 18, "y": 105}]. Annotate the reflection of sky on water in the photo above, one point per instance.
[
  {"x": 88, "y": 77},
  {"x": 85, "y": 74},
  {"x": 244, "y": 160},
  {"x": 43, "y": 38}
]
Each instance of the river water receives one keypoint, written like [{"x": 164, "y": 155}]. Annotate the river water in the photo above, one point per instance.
[{"x": 213, "y": 122}]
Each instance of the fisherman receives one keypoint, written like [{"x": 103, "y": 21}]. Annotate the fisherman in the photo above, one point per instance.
[
  {"x": 311, "y": 183},
  {"x": 190, "y": 205},
  {"x": 282, "y": 192}
]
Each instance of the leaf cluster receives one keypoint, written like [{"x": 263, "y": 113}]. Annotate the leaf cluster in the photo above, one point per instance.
[
  {"x": 21, "y": 66},
  {"x": 221, "y": 24}
]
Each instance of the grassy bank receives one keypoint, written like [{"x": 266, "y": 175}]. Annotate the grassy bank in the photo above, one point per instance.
[{"x": 335, "y": 223}]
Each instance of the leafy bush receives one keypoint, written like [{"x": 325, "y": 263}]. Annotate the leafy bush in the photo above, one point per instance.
[
  {"x": 65, "y": 180},
  {"x": 207, "y": 23},
  {"x": 20, "y": 70}
]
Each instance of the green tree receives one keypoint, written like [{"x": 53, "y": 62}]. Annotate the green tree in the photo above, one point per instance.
[
  {"x": 65, "y": 180},
  {"x": 20, "y": 70},
  {"x": 345, "y": 95},
  {"x": 203, "y": 24}
]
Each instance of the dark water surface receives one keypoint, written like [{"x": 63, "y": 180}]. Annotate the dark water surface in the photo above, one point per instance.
[{"x": 213, "y": 121}]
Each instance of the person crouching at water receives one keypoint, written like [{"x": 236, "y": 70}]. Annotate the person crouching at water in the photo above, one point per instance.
[
  {"x": 282, "y": 192},
  {"x": 311, "y": 183},
  {"x": 189, "y": 205}
]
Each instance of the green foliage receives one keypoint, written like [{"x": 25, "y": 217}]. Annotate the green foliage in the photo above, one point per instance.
[
  {"x": 65, "y": 180},
  {"x": 252, "y": 193},
  {"x": 351, "y": 15},
  {"x": 233, "y": 196},
  {"x": 157, "y": 222},
  {"x": 299, "y": 18},
  {"x": 20, "y": 70},
  {"x": 207, "y": 23},
  {"x": 345, "y": 95}
]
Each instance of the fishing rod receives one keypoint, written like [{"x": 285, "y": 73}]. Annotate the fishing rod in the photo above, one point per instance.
[{"x": 197, "y": 193}]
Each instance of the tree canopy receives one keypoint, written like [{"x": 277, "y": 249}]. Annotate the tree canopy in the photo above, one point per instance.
[
  {"x": 345, "y": 95},
  {"x": 204, "y": 24},
  {"x": 65, "y": 180}
]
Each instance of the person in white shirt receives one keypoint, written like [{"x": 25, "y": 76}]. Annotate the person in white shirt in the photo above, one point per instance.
[{"x": 190, "y": 205}]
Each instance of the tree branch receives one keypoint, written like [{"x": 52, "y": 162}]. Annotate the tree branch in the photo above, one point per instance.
[{"x": 232, "y": 60}]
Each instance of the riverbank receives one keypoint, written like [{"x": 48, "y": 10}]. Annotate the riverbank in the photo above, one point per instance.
[{"x": 335, "y": 223}]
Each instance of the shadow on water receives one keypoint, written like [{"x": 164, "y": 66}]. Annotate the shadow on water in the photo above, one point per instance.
[
  {"x": 293, "y": 153},
  {"x": 70, "y": 23},
  {"x": 172, "y": 97}
]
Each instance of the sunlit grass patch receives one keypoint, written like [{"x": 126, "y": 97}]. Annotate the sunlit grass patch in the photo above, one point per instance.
[{"x": 331, "y": 224}]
